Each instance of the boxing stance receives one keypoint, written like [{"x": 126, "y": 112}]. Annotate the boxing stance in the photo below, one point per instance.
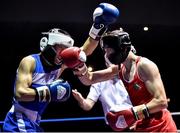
[
  {"x": 143, "y": 82},
  {"x": 144, "y": 85},
  {"x": 38, "y": 76},
  {"x": 37, "y": 83}
]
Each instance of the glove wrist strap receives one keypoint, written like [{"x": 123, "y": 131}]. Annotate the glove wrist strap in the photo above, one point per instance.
[
  {"x": 96, "y": 33},
  {"x": 145, "y": 111},
  {"x": 135, "y": 113},
  {"x": 42, "y": 94}
]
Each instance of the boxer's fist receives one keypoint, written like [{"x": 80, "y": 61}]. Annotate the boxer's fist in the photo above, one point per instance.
[
  {"x": 104, "y": 15},
  {"x": 57, "y": 91},
  {"x": 121, "y": 120},
  {"x": 73, "y": 57}
]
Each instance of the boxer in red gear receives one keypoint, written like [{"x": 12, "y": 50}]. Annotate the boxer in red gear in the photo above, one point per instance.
[
  {"x": 143, "y": 82},
  {"x": 160, "y": 119},
  {"x": 121, "y": 120}
]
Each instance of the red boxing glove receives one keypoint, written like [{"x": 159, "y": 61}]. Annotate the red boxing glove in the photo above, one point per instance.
[
  {"x": 121, "y": 120},
  {"x": 73, "y": 57}
]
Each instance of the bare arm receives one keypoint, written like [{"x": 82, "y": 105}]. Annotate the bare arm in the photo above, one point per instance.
[
  {"x": 24, "y": 80},
  {"x": 85, "y": 104},
  {"x": 100, "y": 75},
  {"x": 89, "y": 46},
  {"x": 149, "y": 73},
  {"x": 154, "y": 84}
]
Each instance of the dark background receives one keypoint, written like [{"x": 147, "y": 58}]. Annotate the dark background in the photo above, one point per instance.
[{"x": 21, "y": 24}]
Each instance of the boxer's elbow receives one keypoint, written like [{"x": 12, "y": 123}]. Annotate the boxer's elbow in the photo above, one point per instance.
[
  {"x": 163, "y": 103},
  {"x": 24, "y": 95},
  {"x": 87, "y": 79},
  {"x": 19, "y": 94}
]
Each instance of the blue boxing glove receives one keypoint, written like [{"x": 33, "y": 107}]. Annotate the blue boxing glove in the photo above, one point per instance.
[
  {"x": 57, "y": 91},
  {"x": 104, "y": 15}
]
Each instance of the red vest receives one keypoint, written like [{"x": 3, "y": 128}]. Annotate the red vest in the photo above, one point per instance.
[{"x": 158, "y": 122}]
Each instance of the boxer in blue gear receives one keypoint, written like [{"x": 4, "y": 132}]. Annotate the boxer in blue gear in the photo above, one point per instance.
[
  {"x": 37, "y": 81},
  {"x": 37, "y": 84}
]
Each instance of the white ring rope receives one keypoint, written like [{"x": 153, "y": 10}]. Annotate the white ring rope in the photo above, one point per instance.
[{"x": 175, "y": 113}]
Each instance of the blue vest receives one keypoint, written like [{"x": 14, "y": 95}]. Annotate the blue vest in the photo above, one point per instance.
[{"x": 40, "y": 77}]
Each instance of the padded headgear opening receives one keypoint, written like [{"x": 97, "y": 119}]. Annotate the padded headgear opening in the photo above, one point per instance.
[
  {"x": 120, "y": 42},
  {"x": 54, "y": 37}
]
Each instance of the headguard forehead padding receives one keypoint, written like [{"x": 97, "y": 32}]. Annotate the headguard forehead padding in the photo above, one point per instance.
[
  {"x": 56, "y": 36},
  {"x": 116, "y": 39}
]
